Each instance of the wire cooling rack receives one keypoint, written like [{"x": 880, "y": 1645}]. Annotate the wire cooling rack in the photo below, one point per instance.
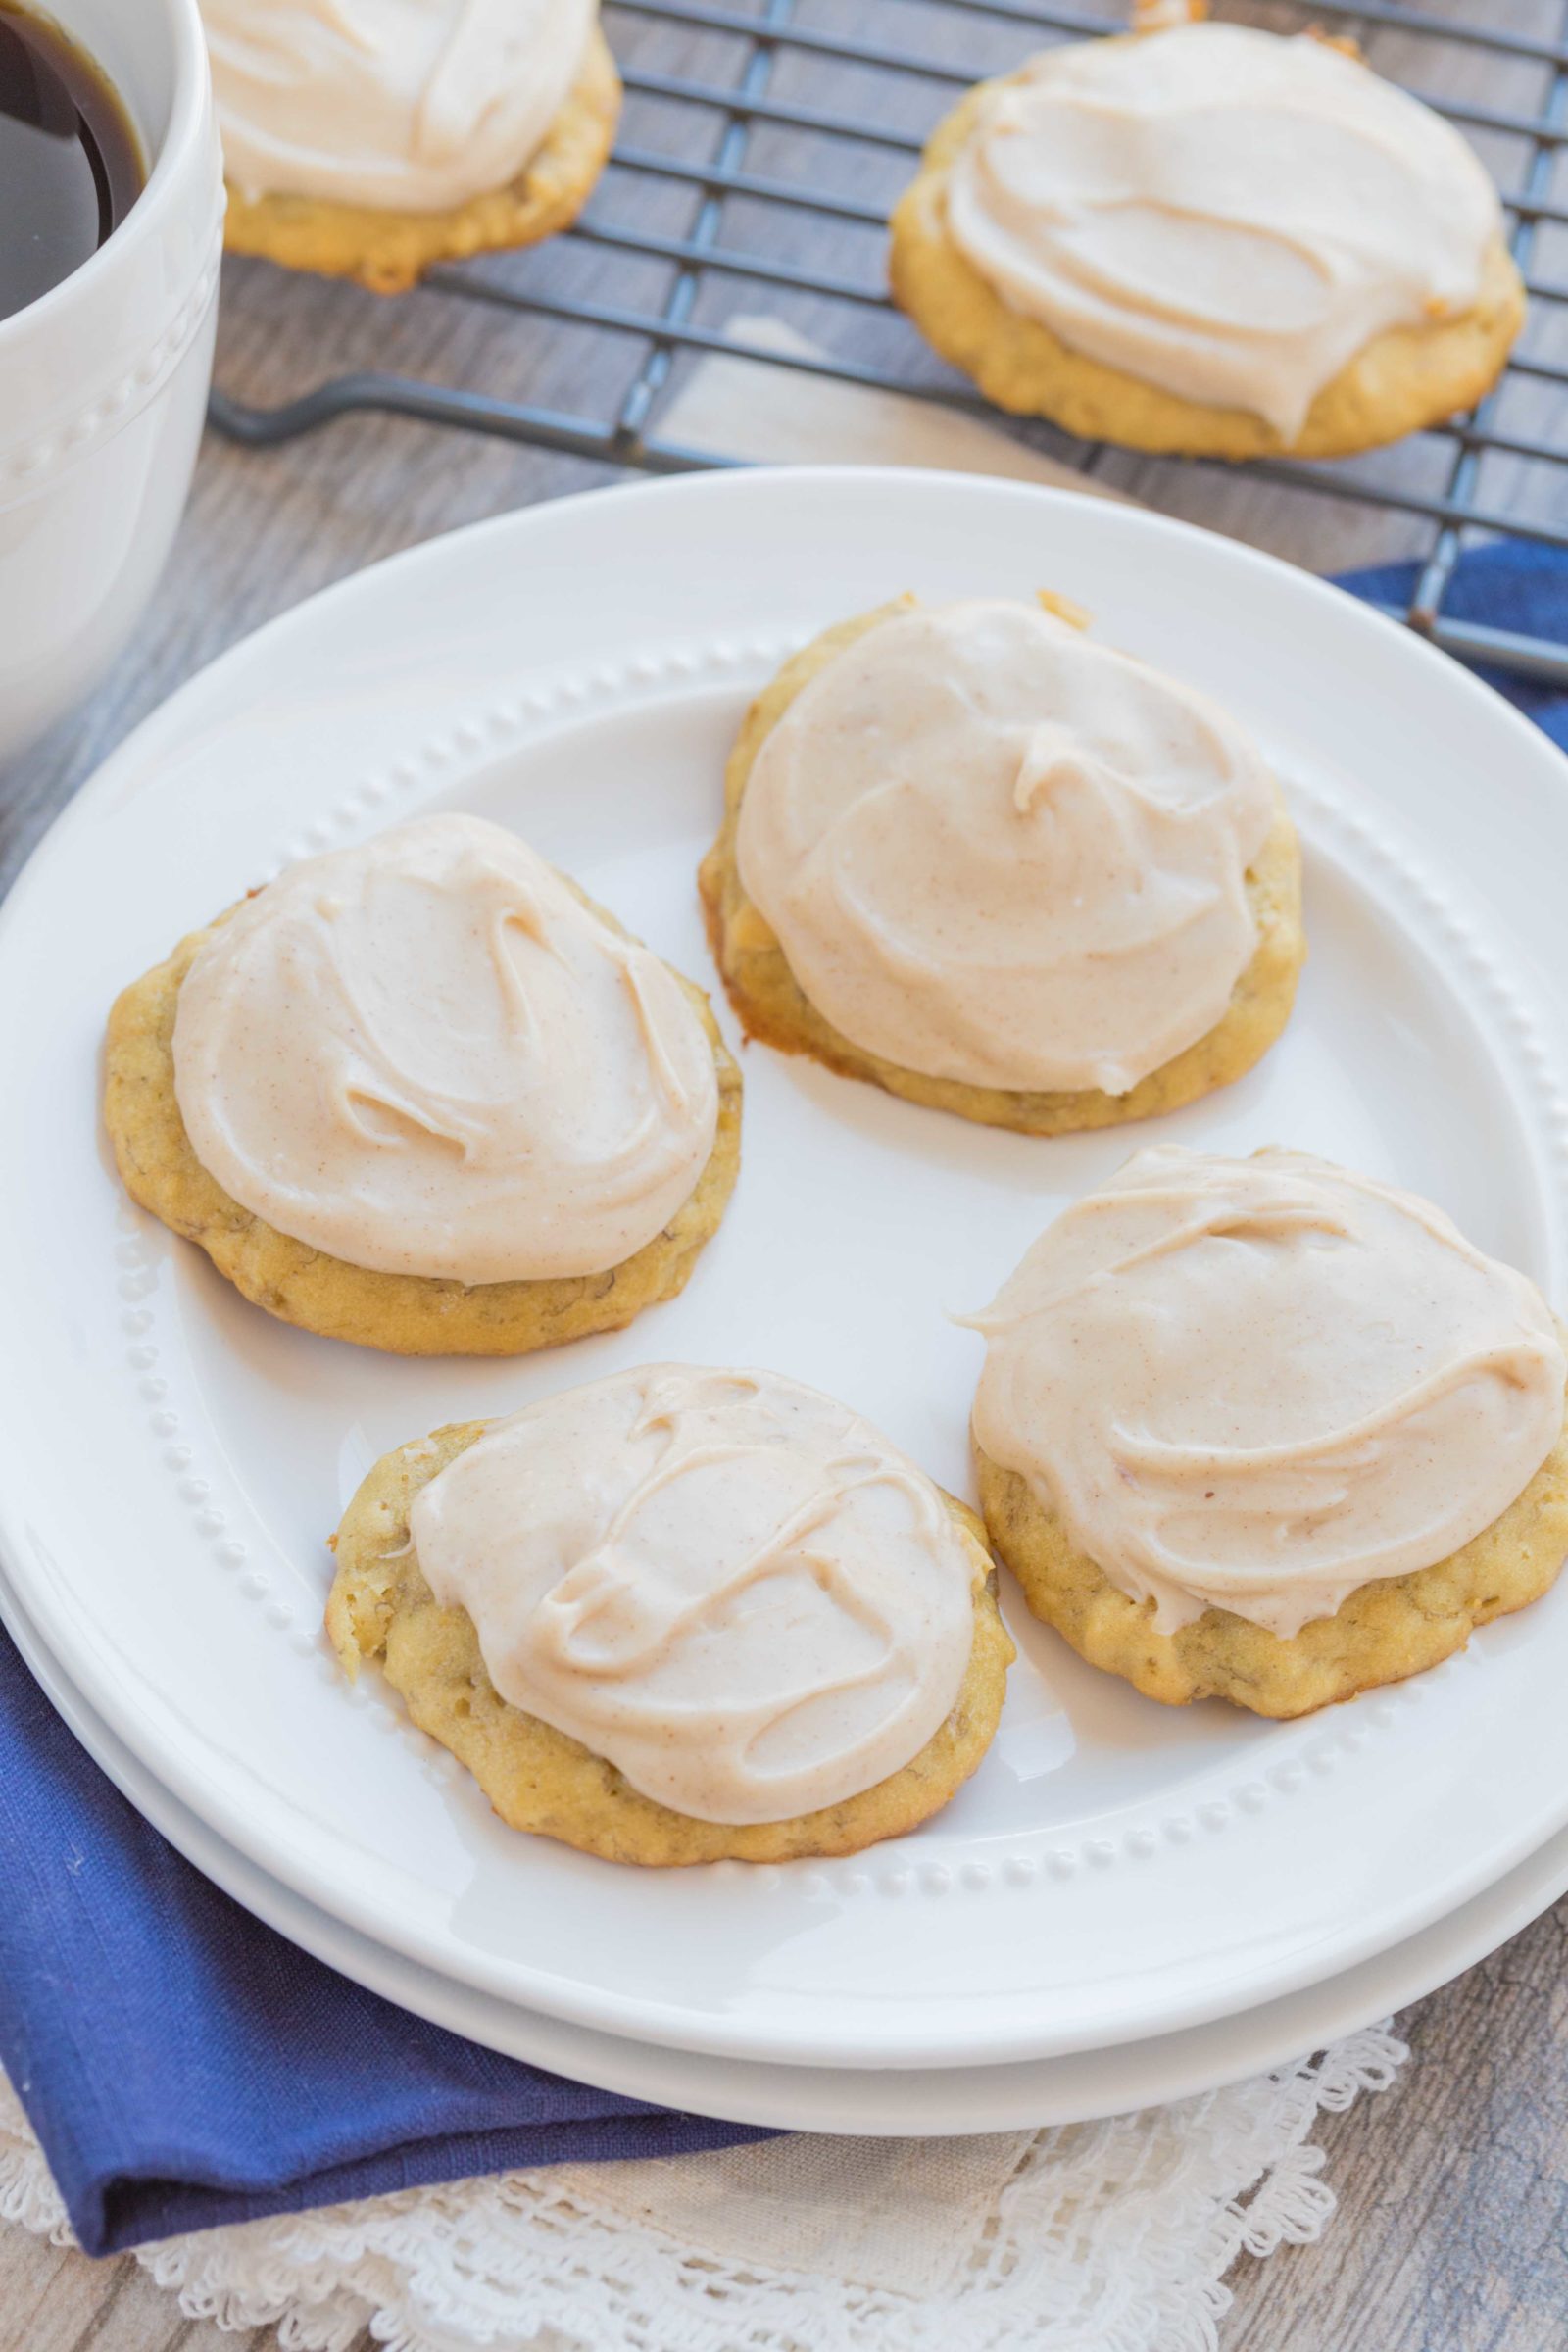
[{"x": 762, "y": 144}]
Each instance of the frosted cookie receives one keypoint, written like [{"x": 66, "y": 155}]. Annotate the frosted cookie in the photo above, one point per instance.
[
  {"x": 680, "y": 1615},
  {"x": 424, "y": 1095},
  {"x": 370, "y": 140},
  {"x": 1210, "y": 239},
  {"x": 979, "y": 860},
  {"x": 1266, "y": 1431}
]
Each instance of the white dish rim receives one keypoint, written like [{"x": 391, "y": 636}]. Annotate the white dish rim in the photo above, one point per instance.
[
  {"x": 1363, "y": 1941},
  {"x": 1083, "y": 2086}
]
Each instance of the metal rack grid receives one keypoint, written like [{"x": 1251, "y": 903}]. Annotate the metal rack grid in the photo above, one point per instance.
[{"x": 772, "y": 76}]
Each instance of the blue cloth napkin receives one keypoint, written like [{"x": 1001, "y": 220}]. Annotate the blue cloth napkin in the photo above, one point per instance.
[
  {"x": 182, "y": 2065},
  {"x": 1512, "y": 585}
]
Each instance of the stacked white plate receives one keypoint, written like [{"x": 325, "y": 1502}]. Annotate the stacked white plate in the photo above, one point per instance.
[{"x": 1127, "y": 1902}]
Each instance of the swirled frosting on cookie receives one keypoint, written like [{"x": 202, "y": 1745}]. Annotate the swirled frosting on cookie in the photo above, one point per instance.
[
  {"x": 1220, "y": 211},
  {"x": 428, "y": 1056},
  {"x": 730, "y": 1586},
  {"x": 1258, "y": 1384},
  {"x": 405, "y": 105},
  {"x": 996, "y": 852}
]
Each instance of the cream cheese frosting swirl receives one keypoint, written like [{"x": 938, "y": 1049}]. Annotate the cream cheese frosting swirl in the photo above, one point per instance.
[
  {"x": 428, "y": 1056},
  {"x": 725, "y": 1583},
  {"x": 994, "y": 852},
  {"x": 401, "y": 105},
  {"x": 1220, "y": 211},
  {"x": 1258, "y": 1384}
]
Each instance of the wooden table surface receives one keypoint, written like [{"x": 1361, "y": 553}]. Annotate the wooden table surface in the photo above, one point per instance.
[{"x": 1453, "y": 2187}]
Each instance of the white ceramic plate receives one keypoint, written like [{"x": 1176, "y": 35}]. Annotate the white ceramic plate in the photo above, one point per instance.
[
  {"x": 923, "y": 2103},
  {"x": 171, "y": 1459}
]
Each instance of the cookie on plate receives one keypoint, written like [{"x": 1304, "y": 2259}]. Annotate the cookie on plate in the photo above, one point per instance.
[
  {"x": 1211, "y": 240},
  {"x": 370, "y": 148},
  {"x": 991, "y": 865},
  {"x": 680, "y": 1616},
  {"x": 424, "y": 1095},
  {"x": 1266, "y": 1431}
]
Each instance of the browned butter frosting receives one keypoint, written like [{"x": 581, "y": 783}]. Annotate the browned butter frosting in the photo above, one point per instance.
[
  {"x": 727, "y": 1583},
  {"x": 1221, "y": 212},
  {"x": 1258, "y": 1384},
  {"x": 428, "y": 1055},
  {"x": 994, "y": 851},
  {"x": 413, "y": 104}
]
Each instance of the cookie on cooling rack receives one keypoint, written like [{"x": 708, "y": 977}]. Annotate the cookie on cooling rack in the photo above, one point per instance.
[
  {"x": 425, "y": 1095},
  {"x": 979, "y": 860},
  {"x": 1265, "y": 1431},
  {"x": 375, "y": 148},
  {"x": 680, "y": 1616},
  {"x": 1209, "y": 240}
]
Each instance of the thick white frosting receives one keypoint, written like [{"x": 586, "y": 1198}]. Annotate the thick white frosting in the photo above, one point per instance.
[
  {"x": 730, "y": 1586},
  {"x": 403, "y": 105},
  {"x": 996, "y": 852},
  {"x": 1258, "y": 1384},
  {"x": 1220, "y": 211},
  {"x": 426, "y": 1056}
]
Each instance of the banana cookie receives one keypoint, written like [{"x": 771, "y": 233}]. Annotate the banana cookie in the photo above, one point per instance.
[
  {"x": 371, "y": 141},
  {"x": 424, "y": 1095},
  {"x": 1266, "y": 1431},
  {"x": 977, "y": 859},
  {"x": 1211, "y": 240},
  {"x": 680, "y": 1616}
]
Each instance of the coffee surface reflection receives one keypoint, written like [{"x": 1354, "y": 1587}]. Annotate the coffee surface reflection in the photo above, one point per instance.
[{"x": 70, "y": 163}]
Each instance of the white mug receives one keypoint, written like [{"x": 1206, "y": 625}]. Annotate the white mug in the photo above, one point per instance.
[{"x": 103, "y": 380}]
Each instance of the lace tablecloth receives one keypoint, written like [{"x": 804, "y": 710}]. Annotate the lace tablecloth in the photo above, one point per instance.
[{"x": 1088, "y": 2238}]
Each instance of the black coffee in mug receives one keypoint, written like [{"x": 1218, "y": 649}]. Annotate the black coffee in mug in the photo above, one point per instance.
[{"x": 71, "y": 164}]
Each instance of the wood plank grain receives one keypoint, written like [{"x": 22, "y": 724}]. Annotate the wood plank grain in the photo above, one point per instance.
[
  {"x": 1452, "y": 2228},
  {"x": 1453, "y": 2189}
]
